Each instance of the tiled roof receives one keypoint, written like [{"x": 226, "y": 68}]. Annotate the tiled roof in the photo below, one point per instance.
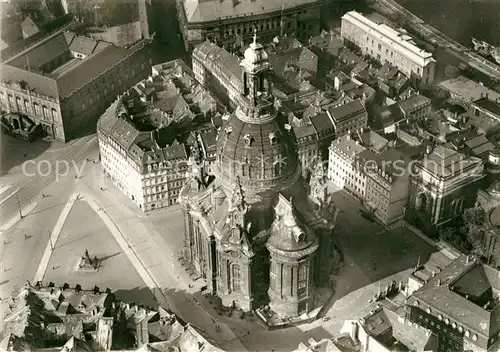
[
  {"x": 37, "y": 83},
  {"x": 321, "y": 122},
  {"x": 210, "y": 10},
  {"x": 347, "y": 145},
  {"x": 413, "y": 102},
  {"x": 467, "y": 89},
  {"x": 227, "y": 64},
  {"x": 29, "y": 27},
  {"x": 89, "y": 68},
  {"x": 347, "y": 110},
  {"x": 83, "y": 45},
  {"x": 439, "y": 293},
  {"x": 28, "y": 66},
  {"x": 209, "y": 140}
]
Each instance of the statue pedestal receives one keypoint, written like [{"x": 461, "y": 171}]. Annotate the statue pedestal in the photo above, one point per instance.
[{"x": 84, "y": 265}]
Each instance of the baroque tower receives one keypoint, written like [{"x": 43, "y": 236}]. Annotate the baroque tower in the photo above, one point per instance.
[{"x": 243, "y": 234}]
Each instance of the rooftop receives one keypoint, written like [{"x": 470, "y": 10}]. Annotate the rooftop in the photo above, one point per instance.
[
  {"x": 489, "y": 105},
  {"x": 396, "y": 333},
  {"x": 40, "y": 71},
  {"x": 468, "y": 90},
  {"x": 413, "y": 102},
  {"x": 445, "y": 161},
  {"x": 347, "y": 145},
  {"x": 345, "y": 111},
  {"x": 393, "y": 37},
  {"x": 466, "y": 292},
  {"x": 154, "y": 119},
  {"x": 211, "y": 10}
]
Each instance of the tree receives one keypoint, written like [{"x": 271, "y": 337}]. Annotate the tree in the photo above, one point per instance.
[{"x": 475, "y": 220}]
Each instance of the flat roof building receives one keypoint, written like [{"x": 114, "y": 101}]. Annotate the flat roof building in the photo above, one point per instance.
[{"x": 387, "y": 44}]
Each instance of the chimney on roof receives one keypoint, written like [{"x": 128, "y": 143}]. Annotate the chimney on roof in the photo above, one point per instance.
[{"x": 438, "y": 282}]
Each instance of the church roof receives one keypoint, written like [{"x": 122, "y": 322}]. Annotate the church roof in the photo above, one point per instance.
[
  {"x": 258, "y": 145},
  {"x": 288, "y": 233}
]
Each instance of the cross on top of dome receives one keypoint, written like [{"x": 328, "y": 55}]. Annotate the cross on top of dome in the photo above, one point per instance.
[{"x": 255, "y": 56}]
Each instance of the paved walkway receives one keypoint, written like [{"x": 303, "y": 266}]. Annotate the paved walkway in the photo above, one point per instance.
[
  {"x": 42, "y": 267},
  {"x": 156, "y": 262}
]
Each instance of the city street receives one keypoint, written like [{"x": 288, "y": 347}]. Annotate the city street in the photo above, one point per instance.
[{"x": 41, "y": 172}]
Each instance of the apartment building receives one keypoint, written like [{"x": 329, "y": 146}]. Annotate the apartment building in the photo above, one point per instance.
[
  {"x": 216, "y": 69},
  {"x": 387, "y": 184},
  {"x": 233, "y": 21},
  {"x": 64, "y": 82},
  {"x": 416, "y": 106},
  {"x": 348, "y": 117},
  {"x": 144, "y": 143},
  {"x": 344, "y": 169},
  {"x": 313, "y": 136},
  {"x": 388, "y": 45}
]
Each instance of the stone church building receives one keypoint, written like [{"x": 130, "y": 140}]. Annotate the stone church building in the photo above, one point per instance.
[{"x": 256, "y": 232}]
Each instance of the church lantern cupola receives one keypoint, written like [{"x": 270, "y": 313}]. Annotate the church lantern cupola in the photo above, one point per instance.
[{"x": 255, "y": 68}]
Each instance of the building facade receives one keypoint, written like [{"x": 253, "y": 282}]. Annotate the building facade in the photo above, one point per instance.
[
  {"x": 251, "y": 233},
  {"x": 460, "y": 305},
  {"x": 348, "y": 117},
  {"x": 387, "y": 184},
  {"x": 344, "y": 169},
  {"x": 232, "y": 20},
  {"x": 443, "y": 184},
  {"x": 66, "y": 90},
  {"x": 143, "y": 147},
  {"x": 387, "y": 44},
  {"x": 416, "y": 107}
]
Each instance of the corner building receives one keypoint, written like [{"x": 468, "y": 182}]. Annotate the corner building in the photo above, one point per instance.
[{"x": 248, "y": 231}]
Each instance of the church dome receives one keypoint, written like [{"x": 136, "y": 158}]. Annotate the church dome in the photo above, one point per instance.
[{"x": 260, "y": 154}]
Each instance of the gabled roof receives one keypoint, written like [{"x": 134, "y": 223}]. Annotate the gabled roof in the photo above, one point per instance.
[
  {"x": 347, "y": 110},
  {"x": 446, "y": 294}
]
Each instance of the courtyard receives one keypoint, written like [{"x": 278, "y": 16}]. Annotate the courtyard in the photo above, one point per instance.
[{"x": 84, "y": 230}]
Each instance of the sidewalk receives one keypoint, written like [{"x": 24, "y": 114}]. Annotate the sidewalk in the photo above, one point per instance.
[
  {"x": 444, "y": 248},
  {"x": 156, "y": 262},
  {"x": 42, "y": 267}
]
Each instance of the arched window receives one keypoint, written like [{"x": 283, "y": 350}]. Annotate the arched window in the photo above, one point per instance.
[
  {"x": 55, "y": 117},
  {"x": 45, "y": 112},
  {"x": 27, "y": 105},
  {"x": 277, "y": 168},
  {"x": 302, "y": 280},
  {"x": 272, "y": 276},
  {"x": 235, "y": 278},
  {"x": 37, "y": 109},
  {"x": 19, "y": 104}
]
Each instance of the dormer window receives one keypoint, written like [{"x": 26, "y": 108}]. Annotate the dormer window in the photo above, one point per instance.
[
  {"x": 272, "y": 138},
  {"x": 301, "y": 237},
  {"x": 247, "y": 139}
]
